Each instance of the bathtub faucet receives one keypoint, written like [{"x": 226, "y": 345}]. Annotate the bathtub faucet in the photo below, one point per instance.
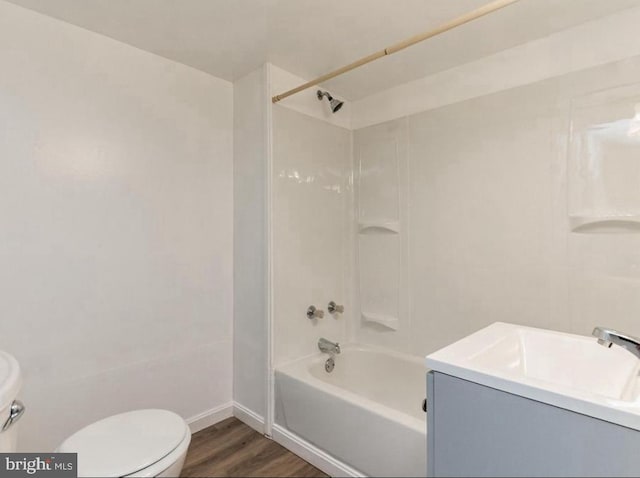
[{"x": 328, "y": 347}]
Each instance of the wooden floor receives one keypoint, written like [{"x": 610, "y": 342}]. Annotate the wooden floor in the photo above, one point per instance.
[{"x": 231, "y": 448}]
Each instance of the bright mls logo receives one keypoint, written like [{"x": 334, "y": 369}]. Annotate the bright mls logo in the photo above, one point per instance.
[{"x": 25, "y": 465}]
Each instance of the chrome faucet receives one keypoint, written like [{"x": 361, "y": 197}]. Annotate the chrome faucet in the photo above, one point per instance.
[
  {"x": 608, "y": 337},
  {"x": 334, "y": 308},
  {"x": 313, "y": 313},
  {"x": 328, "y": 347}
]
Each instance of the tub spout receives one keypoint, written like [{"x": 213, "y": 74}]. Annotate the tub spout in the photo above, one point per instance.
[{"x": 328, "y": 347}]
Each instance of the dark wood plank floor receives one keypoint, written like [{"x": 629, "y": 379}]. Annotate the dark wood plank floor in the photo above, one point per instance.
[{"x": 231, "y": 448}]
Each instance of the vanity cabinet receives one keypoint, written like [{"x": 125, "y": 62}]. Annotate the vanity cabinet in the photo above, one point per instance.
[{"x": 475, "y": 430}]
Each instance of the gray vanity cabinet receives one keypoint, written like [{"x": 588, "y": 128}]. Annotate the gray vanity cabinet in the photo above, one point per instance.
[{"x": 474, "y": 430}]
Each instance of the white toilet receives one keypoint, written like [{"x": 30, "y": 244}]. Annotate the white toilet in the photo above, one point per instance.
[
  {"x": 10, "y": 409},
  {"x": 137, "y": 443}
]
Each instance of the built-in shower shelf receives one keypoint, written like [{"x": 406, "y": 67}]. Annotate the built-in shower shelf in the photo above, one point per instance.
[
  {"x": 392, "y": 227},
  {"x": 387, "y": 321},
  {"x": 605, "y": 224}
]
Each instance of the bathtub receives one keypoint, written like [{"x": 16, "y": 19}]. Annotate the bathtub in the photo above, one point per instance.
[{"x": 367, "y": 413}]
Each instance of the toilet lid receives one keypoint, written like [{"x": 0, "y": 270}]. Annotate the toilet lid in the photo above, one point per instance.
[{"x": 123, "y": 444}]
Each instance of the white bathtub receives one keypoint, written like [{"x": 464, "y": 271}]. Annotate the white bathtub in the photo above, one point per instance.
[{"x": 367, "y": 412}]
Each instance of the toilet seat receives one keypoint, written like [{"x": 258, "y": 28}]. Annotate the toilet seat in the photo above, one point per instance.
[
  {"x": 137, "y": 443},
  {"x": 171, "y": 464}
]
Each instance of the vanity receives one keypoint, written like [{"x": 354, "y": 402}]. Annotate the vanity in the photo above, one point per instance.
[{"x": 510, "y": 400}]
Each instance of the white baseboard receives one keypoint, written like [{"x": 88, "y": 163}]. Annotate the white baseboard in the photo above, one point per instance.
[
  {"x": 314, "y": 455},
  {"x": 210, "y": 417},
  {"x": 248, "y": 417}
]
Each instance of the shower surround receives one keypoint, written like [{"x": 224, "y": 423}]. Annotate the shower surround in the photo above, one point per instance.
[{"x": 339, "y": 234}]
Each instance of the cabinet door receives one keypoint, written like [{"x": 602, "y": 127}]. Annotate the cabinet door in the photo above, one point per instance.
[{"x": 479, "y": 431}]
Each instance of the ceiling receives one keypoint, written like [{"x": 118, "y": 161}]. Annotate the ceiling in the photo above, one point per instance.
[{"x": 229, "y": 38}]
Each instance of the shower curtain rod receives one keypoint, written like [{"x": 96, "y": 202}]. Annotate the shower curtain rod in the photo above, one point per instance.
[{"x": 456, "y": 22}]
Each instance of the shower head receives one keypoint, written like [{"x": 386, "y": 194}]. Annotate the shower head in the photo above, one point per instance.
[{"x": 335, "y": 104}]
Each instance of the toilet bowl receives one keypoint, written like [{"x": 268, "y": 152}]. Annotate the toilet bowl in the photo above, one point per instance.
[{"x": 137, "y": 443}]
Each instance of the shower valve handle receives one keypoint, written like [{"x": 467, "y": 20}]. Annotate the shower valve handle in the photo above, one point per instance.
[
  {"x": 334, "y": 308},
  {"x": 313, "y": 313}
]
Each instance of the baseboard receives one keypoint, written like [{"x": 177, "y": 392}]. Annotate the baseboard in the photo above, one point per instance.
[
  {"x": 210, "y": 417},
  {"x": 248, "y": 417},
  {"x": 314, "y": 455}
]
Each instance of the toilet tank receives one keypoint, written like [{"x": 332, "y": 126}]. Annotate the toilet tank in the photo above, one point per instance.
[{"x": 10, "y": 408}]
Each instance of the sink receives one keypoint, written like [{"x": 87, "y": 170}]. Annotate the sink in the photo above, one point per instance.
[
  {"x": 564, "y": 360},
  {"x": 566, "y": 370}
]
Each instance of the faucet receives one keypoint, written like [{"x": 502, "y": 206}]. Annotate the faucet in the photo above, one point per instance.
[
  {"x": 328, "y": 347},
  {"x": 608, "y": 337}
]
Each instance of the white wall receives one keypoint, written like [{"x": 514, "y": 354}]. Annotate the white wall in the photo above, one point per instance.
[
  {"x": 311, "y": 230},
  {"x": 115, "y": 227},
  {"x": 306, "y": 102},
  {"x": 250, "y": 171},
  {"x": 598, "y": 42},
  {"x": 489, "y": 230}
]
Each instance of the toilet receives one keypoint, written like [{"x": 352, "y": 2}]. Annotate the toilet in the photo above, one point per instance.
[
  {"x": 10, "y": 408},
  {"x": 137, "y": 443}
]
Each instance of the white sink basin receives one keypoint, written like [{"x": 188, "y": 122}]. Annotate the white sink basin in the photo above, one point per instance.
[{"x": 565, "y": 370}]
